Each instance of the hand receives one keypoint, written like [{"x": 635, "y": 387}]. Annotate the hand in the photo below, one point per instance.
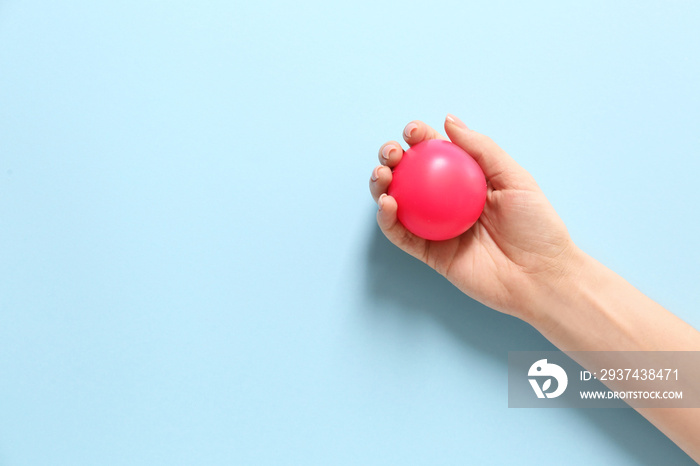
[
  {"x": 517, "y": 250},
  {"x": 518, "y": 258}
]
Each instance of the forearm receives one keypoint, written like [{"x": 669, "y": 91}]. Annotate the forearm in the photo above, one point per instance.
[{"x": 594, "y": 309}]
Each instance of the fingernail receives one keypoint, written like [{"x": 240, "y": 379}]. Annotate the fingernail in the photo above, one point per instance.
[
  {"x": 386, "y": 150},
  {"x": 375, "y": 174},
  {"x": 380, "y": 202},
  {"x": 409, "y": 129},
  {"x": 459, "y": 123}
]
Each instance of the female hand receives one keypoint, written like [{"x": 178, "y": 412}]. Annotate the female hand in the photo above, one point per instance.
[
  {"x": 518, "y": 258},
  {"x": 517, "y": 250}
]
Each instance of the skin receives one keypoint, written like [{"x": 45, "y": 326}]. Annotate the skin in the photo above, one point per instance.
[{"x": 519, "y": 259}]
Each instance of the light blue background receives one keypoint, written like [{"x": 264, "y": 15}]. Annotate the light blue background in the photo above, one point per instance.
[{"x": 190, "y": 272}]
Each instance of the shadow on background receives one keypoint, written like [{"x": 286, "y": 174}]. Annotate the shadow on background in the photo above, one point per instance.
[{"x": 394, "y": 276}]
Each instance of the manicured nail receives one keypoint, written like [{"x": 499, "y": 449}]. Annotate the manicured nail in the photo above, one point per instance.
[
  {"x": 375, "y": 174},
  {"x": 459, "y": 123},
  {"x": 409, "y": 129},
  {"x": 380, "y": 202},
  {"x": 386, "y": 150}
]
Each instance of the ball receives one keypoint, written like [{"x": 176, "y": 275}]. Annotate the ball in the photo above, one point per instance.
[{"x": 439, "y": 188}]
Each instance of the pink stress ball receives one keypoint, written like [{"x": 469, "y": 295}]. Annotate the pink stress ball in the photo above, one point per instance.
[{"x": 439, "y": 188}]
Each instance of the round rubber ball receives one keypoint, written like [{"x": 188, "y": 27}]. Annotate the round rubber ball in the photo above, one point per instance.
[{"x": 439, "y": 188}]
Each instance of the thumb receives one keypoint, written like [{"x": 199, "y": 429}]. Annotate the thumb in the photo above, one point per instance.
[{"x": 499, "y": 167}]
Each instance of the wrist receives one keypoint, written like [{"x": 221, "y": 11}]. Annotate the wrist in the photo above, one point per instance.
[
  {"x": 572, "y": 305},
  {"x": 548, "y": 291}
]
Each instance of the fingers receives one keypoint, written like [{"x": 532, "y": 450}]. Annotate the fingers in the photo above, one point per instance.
[
  {"x": 387, "y": 218},
  {"x": 379, "y": 181},
  {"x": 390, "y": 154},
  {"x": 499, "y": 167},
  {"x": 417, "y": 131},
  {"x": 395, "y": 231}
]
